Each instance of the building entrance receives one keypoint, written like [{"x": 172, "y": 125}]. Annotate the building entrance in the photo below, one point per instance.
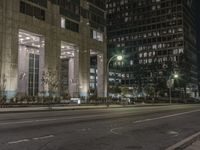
[
  {"x": 69, "y": 75},
  {"x": 30, "y": 62}
]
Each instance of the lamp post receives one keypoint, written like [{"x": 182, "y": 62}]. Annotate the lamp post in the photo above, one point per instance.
[
  {"x": 170, "y": 83},
  {"x": 119, "y": 58}
]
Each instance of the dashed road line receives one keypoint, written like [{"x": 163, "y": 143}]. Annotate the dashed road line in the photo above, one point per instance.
[
  {"x": 19, "y": 141},
  {"x": 43, "y": 137},
  {"x": 61, "y": 118},
  {"x": 65, "y": 118},
  {"x": 32, "y": 139},
  {"x": 114, "y": 130},
  {"x": 164, "y": 117}
]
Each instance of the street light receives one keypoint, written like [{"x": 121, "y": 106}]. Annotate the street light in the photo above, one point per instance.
[
  {"x": 119, "y": 58},
  {"x": 170, "y": 83},
  {"x": 176, "y": 76}
]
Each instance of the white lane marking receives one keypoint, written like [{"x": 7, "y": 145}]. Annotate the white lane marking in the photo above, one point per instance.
[
  {"x": 43, "y": 137},
  {"x": 19, "y": 141},
  {"x": 79, "y": 117},
  {"x": 17, "y": 122},
  {"x": 48, "y": 120},
  {"x": 62, "y": 118},
  {"x": 84, "y": 129},
  {"x": 114, "y": 130},
  {"x": 27, "y": 140},
  {"x": 173, "y": 133},
  {"x": 164, "y": 117}
]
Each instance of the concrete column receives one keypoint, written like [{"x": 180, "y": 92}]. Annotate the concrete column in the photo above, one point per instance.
[
  {"x": 84, "y": 58},
  {"x": 23, "y": 70},
  {"x": 41, "y": 62},
  {"x": 74, "y": 75},
  {"x": 101, "y": 75},
  {"x": 52, "y": 60},
  {"x": 84, "y": 74},
  {"x": 72, "y": 82},
  {"x": 9, "y": 47}
]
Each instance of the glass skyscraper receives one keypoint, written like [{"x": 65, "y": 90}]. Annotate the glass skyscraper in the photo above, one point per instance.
[{"x": 158, "y": 38}]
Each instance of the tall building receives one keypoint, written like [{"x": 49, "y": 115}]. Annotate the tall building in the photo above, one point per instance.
[
  {"x": 46, "y": 46},
  {"x": 197, "y": 4},
  {"x": 158, "y": 38}
]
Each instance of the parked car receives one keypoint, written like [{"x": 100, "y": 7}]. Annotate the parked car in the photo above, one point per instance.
[
  {"x": 75, "y": 101},
  {"x": 64, "y": 101},
  {"x": 125, "y": 100}
]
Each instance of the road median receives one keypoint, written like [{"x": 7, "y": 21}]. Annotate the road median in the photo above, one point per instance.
[{"x": 29, "y": 108}]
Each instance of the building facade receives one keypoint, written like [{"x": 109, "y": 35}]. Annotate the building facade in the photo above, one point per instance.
[
  {"x": 46, "y": 46},
  {"x": 197, "y": 4},
  {"x": 158, "y": 38}
]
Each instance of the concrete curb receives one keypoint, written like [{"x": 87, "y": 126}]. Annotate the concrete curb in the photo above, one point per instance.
[
  {"x": 45, "y": 109},
  {"x": 185, "y": 143}
]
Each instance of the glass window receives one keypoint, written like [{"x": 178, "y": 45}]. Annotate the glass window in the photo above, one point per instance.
[
  {"x": 97, "y": 35},
  {"x": 62, "y": 22}
]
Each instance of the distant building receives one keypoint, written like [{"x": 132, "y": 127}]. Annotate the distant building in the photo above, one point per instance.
[
  {"x": 197, "y": 4},
  {"x": 46, "y": 46},
  {"x": 158, "y": 38}
]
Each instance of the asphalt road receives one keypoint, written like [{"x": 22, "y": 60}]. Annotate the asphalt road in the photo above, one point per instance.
[{"x": 133, "y": 128}]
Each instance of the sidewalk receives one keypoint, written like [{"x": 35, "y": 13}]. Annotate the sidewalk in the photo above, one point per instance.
[
  {"x": 190, "y": 143},
  {"x": 194, "y": 146},
  {"x": 70, "y": 107}
]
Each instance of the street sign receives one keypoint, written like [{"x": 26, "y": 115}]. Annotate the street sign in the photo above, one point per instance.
[{"x": 170, "y": 83}]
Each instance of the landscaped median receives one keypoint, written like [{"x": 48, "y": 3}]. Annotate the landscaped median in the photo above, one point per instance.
[{"x": 33, "y": 108}]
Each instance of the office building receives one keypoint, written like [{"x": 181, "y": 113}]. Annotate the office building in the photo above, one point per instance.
[
  {"x": 158, "y": 38},
  {"x": 46, "y": 46}
]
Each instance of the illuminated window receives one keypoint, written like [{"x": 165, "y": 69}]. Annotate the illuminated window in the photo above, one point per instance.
[
  {"x": 97, "y": 35},
  {"x": 62, "y": 22}
]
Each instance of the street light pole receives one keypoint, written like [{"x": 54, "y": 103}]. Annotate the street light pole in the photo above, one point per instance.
[
  {"x": 119, "y": 58},
  {"x": 170, "y": 84},
  {"x": 170, "y": 89}
]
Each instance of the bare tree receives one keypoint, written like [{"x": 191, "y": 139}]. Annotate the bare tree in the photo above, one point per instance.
[
  {"x": 3, "y": 87},
  {"x": 50, "y": 82}
]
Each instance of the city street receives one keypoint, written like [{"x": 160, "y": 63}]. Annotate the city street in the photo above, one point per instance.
[{"x": 128, "y": 128}]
